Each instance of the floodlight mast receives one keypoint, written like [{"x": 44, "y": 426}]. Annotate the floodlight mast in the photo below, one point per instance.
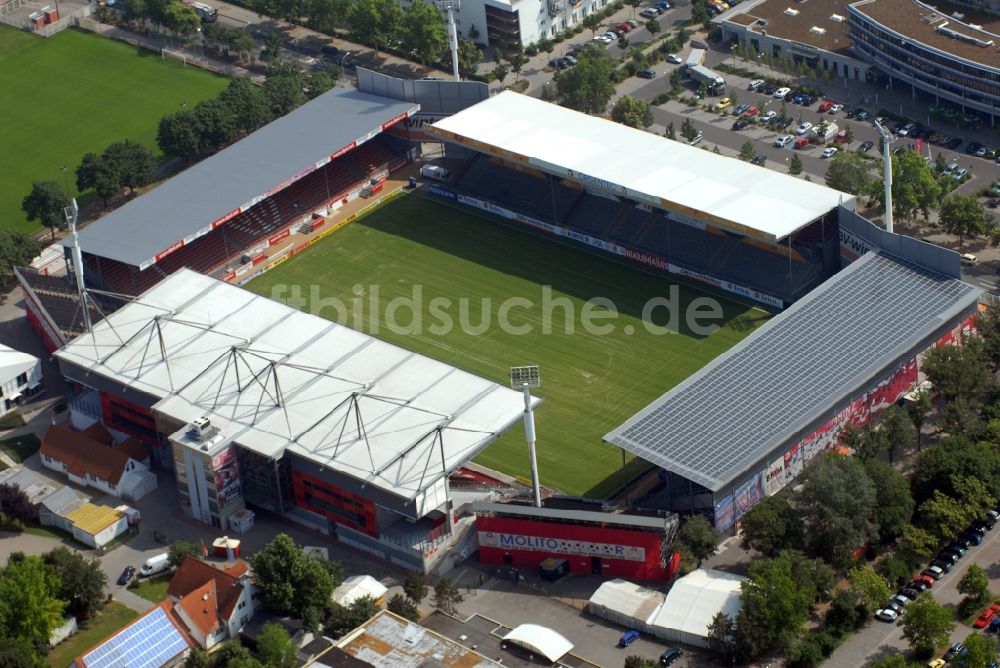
[
  {"x": 72, "y": 212},
  {"x": 451, "y": 6},
  {"x": 526, "y": 377},
  {"x": 887, "y": 139}
]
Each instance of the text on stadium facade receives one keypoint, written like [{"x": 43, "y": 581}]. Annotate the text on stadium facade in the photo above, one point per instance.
[{"x": 583, "y": 548}]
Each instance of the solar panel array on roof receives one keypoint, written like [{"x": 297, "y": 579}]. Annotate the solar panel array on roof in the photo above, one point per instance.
[
  {"x": 719, "y": 422},
  {"x": 148, "y": 643}
]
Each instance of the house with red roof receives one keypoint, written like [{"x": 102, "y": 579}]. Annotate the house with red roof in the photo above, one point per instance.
[
  {"x": 214, "y": 601},
  {"x": 92, "y": 458}
]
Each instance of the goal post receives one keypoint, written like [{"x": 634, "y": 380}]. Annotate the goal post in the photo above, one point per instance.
[{"x": 164, "y": 53}]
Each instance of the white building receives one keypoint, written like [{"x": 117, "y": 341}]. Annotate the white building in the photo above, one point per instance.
[
  {"x": 525, "y": 21},
  {"x": 20, "y": 377},
  {"x": 214, "y": 602}
]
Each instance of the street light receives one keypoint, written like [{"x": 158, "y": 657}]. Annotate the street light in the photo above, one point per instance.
[{"x": 65, "y": 171}]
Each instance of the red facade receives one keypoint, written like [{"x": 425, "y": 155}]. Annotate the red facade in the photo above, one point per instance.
[
  {"x": 336, "y": 504},
  {"x": 129, "y": 418},
  {"x": 612, "y": 552}
]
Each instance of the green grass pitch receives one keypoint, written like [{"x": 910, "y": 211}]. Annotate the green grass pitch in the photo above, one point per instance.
[
  {"x": 590, "y": 382},
  {"x": 75, "y": 93}
]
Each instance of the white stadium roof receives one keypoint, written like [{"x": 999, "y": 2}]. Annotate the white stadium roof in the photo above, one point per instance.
[
  {"x": 608, "y": 156},
  {"x": 274, "y": 378}
]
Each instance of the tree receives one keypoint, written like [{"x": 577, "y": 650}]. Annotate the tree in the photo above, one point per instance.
[
  {"x": 178, "y": 136},
  {"x": 795, "y": 165},
  {"x": 670, "y": 133},
  {"x": 133, "y": 163},
  {"x": 870, "y": 587},
  {"x": 688, "y": 130},
  {"x": 846, "y": 613},
  {"x": 447, "y": 596},
  {"x": 469, "y": 57},
  {"x": 587, "y": 85},
  {"x": 318, "y": 81},
  {"x": 181, "y": 550},
  {"x": 633, "y": 4},
  {"x": 849, "y": 173},
  {"x": 770, "y": 526},
  {"x": 836, "y": 502},
  {"x": 963, "y": 215},
  {"x": 288, "y": 581},
  {"x": 500, "y": 73},
  {"x": 29, "y": 608},
  {"x": 653, "y": 26},
  {"x": 926, "y": 624},
  {"x": 918, "y": 541},
  {"x": 404, "y": 607},
  {"x": 45, "y": 203},
  {"x": 592, "y": 22},
  {"x": 366, "y": 23},
  {"x": 632, "y": 111},
  {"x": 773, "y": 606},
  {"x": 898, "y": 429},
  {"x": 275, "y": 647},
  {"x": 99, "y": 174},
  {"x": 747, "y": 151},
  {"x": 246, "y": 46},
  {"x": 392, "y": 21},
  {"x": 16, "y": 505},
  {"x": 980, "y": 651},
  {"x": 17, "y": 249},
  {"x": 517, "y": 60},
  {"x": 19, "y": 653},
  {"x": 894, "y": 661},
  {"x": 958, "y": 371},
  {"x": 247, "y": 104},
  {"x": 424, "y": 33},
  {"x": 700, "y": 537},
  {"x": 918, "y": 409},
  {"x": 273, "y": 43},
  {"x": 722, "y": 636},
  {"x": 944, "y": 516},
  {"x": 894, "y": 569},
  {"x": 343, "y": 619},
  {"x": 893, "y": 502},
  {"x": 848, "y": 134},
  {"x": 283, "y": 88},
  {"x": 216, "y": 124},
  {"x": 915, "y": 189},
  {"x": 636, "y": 661},
  {"x": 81, "y": 581},
  {"x": 975, "y": 584},
  {"x": 951, "y": 459},
  {"x": 415, "y": 586}
]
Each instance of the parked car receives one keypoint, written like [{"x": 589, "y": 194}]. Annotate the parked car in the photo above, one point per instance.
[
  {"x": 918, "y": 586},
  {"x": 863, "y": 115},
  {"x": 628, "y": 638},
  {"x": 951, "y": 168},
  {"x": 835, "y": 108},
  {"x": 649, "y": 13},
  {"x": 623, "y": 27},
  {"x": 825, "y": 106},
  {"x": 800, "y": 144},
  {"x": 950, "y": 555},
  {"x": 866, "y": 146},
  {"x": 755, "y": 84},
  {"x": 953, "y": 651},
  {"x": 799, "y": 98},
  {"x": 972, "y": 147},
  {"x": 987, "y": 617},
  {"x": 962, "y": 541},
  {"x": 942, "y": 564},
  {"x": 828, "y": 153},
  {"x": 929, "y": 581},
  {"x": 954, "y": 143},
  {"x": 670, "y": 656},
  {"x": 740, "y": 124},
  {"x": 674, "y": 58},
  {"x": 937, "y": 663},
  {"x": 886, "y": 614},
  {"x": 994, "y": 625},
  {"x": 696, "y": 139},
  {"x": 967, "y": 259},
  {"x": 782, "y": 92},
  {"x": 769, "y": 116},
  {"x": 126, "y": 575},
  {"x": 751, "y": 111},
  {"x": 933, "y": 572},
  {"x": 662, "y": 5},
  {"x": 980, "y": 529},
  {"x": 803, "y": 128},
  {"x": 910, "y": 593},
  {"x": 902, "y": 600},
  {"x": 907, "y": 129},
  {"x": 740, "y": 109},
  {"x": 783, "y": 140},
  {"x": 959, "y": 549},
  {"x": 766, "y": 89},
  {"x": 759, "y": 160},
  {"x": 852, "y": 112},
  {"x": 973, "y": 537},
  {"x": 646, "y": 74}
]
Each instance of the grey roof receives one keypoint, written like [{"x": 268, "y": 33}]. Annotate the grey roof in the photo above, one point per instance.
[
  {"x": 60, "y": 498},
  {"x": 189, "y": 202},
  {"x": 660, "y": 523},
  {"x": 733, "y": 413}
]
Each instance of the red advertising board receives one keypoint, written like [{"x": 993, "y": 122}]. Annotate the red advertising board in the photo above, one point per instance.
[
  {"x": 388, "y": 124},
  {"x": 175, "y": 247},
  {"x": 279, "y": 236},
  {"x": 342, "y": 151},
  {"x": 226, "y": 218}
]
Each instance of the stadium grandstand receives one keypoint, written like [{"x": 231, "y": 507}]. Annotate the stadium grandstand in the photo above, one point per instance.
[
  {"x": 836, "y": 357},
  {"x": 253, "y": 401},
  {"x": 755, "y": 232},
  {"x": 221, "y": 216}
]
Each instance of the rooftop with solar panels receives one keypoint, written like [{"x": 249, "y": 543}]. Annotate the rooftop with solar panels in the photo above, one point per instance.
[{"x": 153, "y": 640}]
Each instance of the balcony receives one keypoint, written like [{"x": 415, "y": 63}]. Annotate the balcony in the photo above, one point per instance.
[{"x": 556, "y": 7}]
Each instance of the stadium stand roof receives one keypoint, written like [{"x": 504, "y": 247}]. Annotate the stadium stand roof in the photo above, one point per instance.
[
  {"x": 734, "y": 412},
  {"x": 612, "y": 157},
  {"x": 216, "y": 189},
  {"x": 337, "y": 397}
]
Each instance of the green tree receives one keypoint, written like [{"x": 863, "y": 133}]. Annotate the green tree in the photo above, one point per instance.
[
  {"x": 918, "y": 410},
  {"x": 688, "y": 130},
  {"x": 592, "y": 22},
  {"x": 288, "y": 581},
  {"x": 500, "y": 73},
  {"x": 16, "y": 506},
  {"x": 275, "y": 647},
  {"x": 517, "y": 60},
  {"x": 950, "y": 460},
  {"x": 653, "y": 26},
  {"x": 722, "y": 636},
  {"x": 870, "y": 444},
  {"x": 700, "y": 537},
  {"x": 894, "y": 661},
  {"x": 770, "y": 526},
  {"x": 19, "y": 653},
  {"x": 447, "y": 596},
  {"x": 849, "y": 173},
  {"x": 773, "y": 606},
  {"x": 318, "y": 81},
  {"x": 247, "y": 104},
  {"x": 980, "y": 651},
  {"x": 366, "y": 23},
  {"x": 898, "y": 429},
  {"x": 636, "y": 661},
  {"x": 836, "y": 503},
  {"x": 587, "y": 85},
  {"x": 846, "y": 613},
  {"x": 181, "y": 550},
  {"x": 81, "y": 581},
  {"x": 424, "y": 33},
  {"x": 894, "y": 569},
  {"x": 181, "y": 19},
  {"x": 926, "y": 624},
  {"x": 918, "y": 541},
  {"x": 915, "y": 189},
  {"x": 795, "y": 165},
  {"x": 246, "y": 46},
  {"x": 415, "y": 586},
  {"x": 177, "y": 135},
  {"x": 633, "y": 4},
  {"x": 273, "y": 43},
  {"x": 958, "y": 371},
  {"x": 45, "y": 203},
  {"x": 633, "y": 112},
  {"x": 944, "y": 516},
  {"x": 29, "y": 607},
  {"x": 17, "y": 249},
  {"x": 392, "y": 21},
  {"x": 343, "y": 619},
  {"x": 670, "y": 133},
  {"x": 975, "y": 584},
  {"x": 963, "y": 215},
  {"x": 469, "y": 57},
  {"x": 870, "y": 587},
  {"x": 97, "y": 173},
  {"x": 848, "y": 134},
  {"x": 747, "y": 151},
  {"x": 216, "y": 124},
  {"x": 893, "y": 501},
  {"x": 404, "y": 607}
]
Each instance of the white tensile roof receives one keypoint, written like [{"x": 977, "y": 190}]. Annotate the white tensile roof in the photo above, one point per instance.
[
  {"x": 541, "y": 639},
  {"x": 356, "y": 587},
  {"x": 273, "y": 378},
  {"x": 627, "y": 600},
  {"x": 13, "y": 363},
  {"x": 694, "y": 600},
  {"x": 645, "y": 167}
]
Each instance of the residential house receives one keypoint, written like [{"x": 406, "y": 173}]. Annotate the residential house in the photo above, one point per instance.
[
  {"x": 92, "y": 459},
  {"x": 213, "y": 601}
]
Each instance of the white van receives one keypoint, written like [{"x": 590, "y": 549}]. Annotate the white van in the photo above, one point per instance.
[
  {"x": 154, "y": 565},
  {"x": 434, "y": 172},
  {"x": 968, "y": 259}
]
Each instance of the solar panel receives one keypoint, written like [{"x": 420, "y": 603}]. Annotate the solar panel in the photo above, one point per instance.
[
  {"x": 756, "y": 397},
  {"x": 150, "y": 642}
]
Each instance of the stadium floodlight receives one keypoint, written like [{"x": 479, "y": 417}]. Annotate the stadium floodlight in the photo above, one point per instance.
[
  {"x": 72, "y": 212},
  {"x": 887, "y": 138},
  {"x": 525, "y": 378},
  {"x": 451, "y": 6}
]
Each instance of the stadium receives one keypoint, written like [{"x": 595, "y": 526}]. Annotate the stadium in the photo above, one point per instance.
[{"x": 369, "y": 436}]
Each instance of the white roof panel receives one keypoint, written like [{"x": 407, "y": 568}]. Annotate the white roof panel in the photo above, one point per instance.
[
  {"x": 646, "y": 167},
  {"x": 552, "y": 645},
  {"x": 696, "y": 598},
  {"x": 314, "y": 379}
]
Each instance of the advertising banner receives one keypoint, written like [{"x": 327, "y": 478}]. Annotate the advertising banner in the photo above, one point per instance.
[
  {"x": 227, "y": 476},
  {"x": 511, "y": 541}
]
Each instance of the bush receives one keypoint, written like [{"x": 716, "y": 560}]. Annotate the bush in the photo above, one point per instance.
[
  {"x": 578, "y": 28},
  {"x": 531, "y": 49}
]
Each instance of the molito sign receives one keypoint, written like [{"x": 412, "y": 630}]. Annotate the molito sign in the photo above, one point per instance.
[{"x": 513, "y": 541}]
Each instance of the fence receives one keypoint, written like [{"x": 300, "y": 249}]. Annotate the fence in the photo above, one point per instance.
[{"x": 18, "y": 21}]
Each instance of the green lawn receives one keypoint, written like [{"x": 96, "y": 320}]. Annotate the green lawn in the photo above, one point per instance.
[
  {"x": 153, "y": 589},
  {"x": 110, "y": 619},
  {"x": 21, "y": 447},
  {"x": 591, "y": 383},
  {"x": 76, "y": 93}
]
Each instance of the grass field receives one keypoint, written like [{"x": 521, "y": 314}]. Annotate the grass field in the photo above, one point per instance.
[
  {"x": 152, "y": 589},
  {"x": 76, "y": 93},
  {"x": 112, "y": 617},
  {"x": 590, "y": 382}
]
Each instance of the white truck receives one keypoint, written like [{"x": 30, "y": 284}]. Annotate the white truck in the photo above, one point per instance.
[
  {"x": 825, "y": 131},
  {"x": 154, "y": 565},
  {"x": 434, "y": 172}
]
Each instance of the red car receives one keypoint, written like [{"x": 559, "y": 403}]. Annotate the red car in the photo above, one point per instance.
[
  {"x": 987, "y": 616},
  {"x": 751, "y": 112},
  {"x": 622, "y": 27},
  {"x": 926, "y": 579},
  {"x": 825, "y": 105},
  {"x": 800, "y": 143}
]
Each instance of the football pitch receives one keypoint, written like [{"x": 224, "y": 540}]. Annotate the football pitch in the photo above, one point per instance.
[
  {"x": 415, "y": 250},
  {"x": 75, "y": 93}
]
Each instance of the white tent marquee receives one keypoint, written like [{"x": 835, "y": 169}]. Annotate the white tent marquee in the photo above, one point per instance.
[
  {"x": 540, "y": 639},
  {"x": 692, "y": 603},
  {"x": 626, "y": 603},
  {"x": 359, "y": 586}
]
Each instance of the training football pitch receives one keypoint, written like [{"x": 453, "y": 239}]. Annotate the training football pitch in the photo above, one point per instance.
[
  {"x": 76, "y": 93},
  {"x": 591, "y": 380}
]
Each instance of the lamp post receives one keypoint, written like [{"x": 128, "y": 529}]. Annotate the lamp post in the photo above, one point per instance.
[
  {"x": 451, "y": 6},
  {"x": 65, "y": 172}
]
